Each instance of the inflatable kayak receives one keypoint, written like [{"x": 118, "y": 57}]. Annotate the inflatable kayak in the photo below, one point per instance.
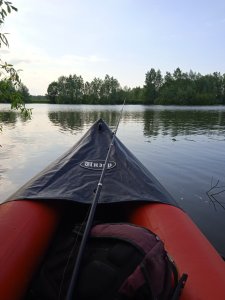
[{"x": 31, "y": 217}]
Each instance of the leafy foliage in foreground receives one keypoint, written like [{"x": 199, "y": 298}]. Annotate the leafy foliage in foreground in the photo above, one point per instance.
[
  {"x": 178, "y": 88},
  {"x": 11, "y": 88}
]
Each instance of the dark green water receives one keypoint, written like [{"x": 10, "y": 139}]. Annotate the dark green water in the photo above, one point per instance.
[{"x": 184, "y": 148}]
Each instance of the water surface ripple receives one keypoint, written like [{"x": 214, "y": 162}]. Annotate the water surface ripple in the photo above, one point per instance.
[{"x": 182, "y": 146}]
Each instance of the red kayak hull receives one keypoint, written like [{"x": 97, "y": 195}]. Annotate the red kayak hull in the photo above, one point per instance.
[
  {"x": 27, "y": 228},
  {"x": 188, "y": 247}
]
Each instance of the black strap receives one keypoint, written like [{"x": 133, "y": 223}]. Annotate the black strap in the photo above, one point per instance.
[{"x": 180, "y": 286}]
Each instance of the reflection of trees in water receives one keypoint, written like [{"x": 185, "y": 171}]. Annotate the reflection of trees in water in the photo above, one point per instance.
[
  {"x": 8, "y": 118},
  {"x": 183, "y": 122},
  {"x": 155, "y": 121},
  {"x": 66, "y": 120},
  {"x": 76, "y": 120}
]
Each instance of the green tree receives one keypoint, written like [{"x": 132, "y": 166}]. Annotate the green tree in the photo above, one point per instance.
[
  {"x": 8, "y": 74},
  {"x": 168, "y": 78},
  {"x": 87, "y": 92},
  {"x": 218, "y": 85},
  {"x": 6, "y": 90},
  {"x": 67, "y": 90},
  {"x": 223, "y": 89},
  {"x": 52, "y": 92},
  {"x": 135, "y": 95},
  {"x": 153, "y": 82},
  {"x": 177, "y": 74},
  {"x": 96, "y": 90},
  {"x": 208, "y": 91},
  {"x": 25, "y": 95},
  {"x": 110, "y": 90},
  {"x": 77, "y": 88}
]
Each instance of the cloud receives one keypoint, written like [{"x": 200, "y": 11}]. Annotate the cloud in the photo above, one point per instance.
[
  {"x": 4, "y": 51},
  {"x": 73, "y": 60},
  {"x": 17, "y": 61},
  {"x": 39, "y": 68}
]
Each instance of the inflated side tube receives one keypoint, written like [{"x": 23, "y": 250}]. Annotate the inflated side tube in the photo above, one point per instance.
[
  {"x": 26, "y": 229},
  {"x": 189, "y": 248}
]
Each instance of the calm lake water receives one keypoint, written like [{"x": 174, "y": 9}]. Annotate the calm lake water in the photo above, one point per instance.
[{"x": 183, "y": 147}]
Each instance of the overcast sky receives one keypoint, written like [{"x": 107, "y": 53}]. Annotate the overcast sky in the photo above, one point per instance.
[{"x": 122, "y": 38}]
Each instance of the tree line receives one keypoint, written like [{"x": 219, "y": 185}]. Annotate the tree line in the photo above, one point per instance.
[
  {"x": 177, "y": 88},
  {"x": 182, "y": 88},
  {"x": 73, "y": 90},
  {"x": 173, "y": 88}
]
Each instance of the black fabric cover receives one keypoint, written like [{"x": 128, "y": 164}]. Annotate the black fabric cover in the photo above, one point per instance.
[{"x": 73, "y": 178}]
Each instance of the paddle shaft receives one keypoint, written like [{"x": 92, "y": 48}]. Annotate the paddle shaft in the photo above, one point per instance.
[{"x": 74, "y": 278}]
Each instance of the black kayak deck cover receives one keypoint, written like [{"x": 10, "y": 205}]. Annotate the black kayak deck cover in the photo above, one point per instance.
[{"x": 75, "y": 175}]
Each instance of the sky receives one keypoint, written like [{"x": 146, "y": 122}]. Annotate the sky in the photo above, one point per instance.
[{"x": 122, "y": 38}]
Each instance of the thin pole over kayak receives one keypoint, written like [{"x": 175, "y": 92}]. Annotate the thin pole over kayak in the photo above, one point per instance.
[{"x": 73, "y": 282}]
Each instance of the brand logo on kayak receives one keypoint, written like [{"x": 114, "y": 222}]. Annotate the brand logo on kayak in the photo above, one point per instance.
[{"x": 97, "y": 164}]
